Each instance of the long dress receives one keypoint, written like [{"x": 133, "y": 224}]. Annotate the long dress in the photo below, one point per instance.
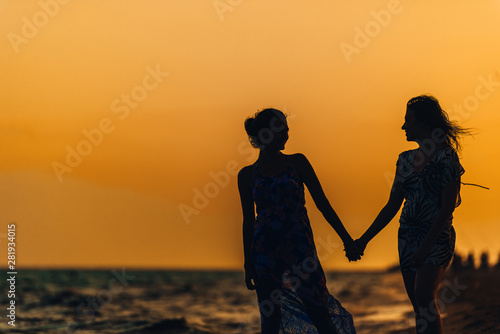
[
  {"x": 284, "y": 255},
  {"x": 422, "y": 192}
]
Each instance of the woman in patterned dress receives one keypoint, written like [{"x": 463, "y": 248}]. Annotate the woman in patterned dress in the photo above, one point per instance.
[
  {"x": 281, "y": 261},
  {"x": 428, "y": 180}
]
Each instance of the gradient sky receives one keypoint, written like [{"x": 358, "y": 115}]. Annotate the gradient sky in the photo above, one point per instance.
[{"x": 162, "y": 88}]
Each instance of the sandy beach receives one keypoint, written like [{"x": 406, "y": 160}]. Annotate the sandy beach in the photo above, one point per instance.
[
  {"x": 477, "y": 309},
  {"x": 469, "y": 302}
]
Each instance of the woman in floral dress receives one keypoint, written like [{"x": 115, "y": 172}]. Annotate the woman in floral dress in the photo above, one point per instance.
[
  {"x": 281, "y": 261},
  {"x": 428, "y": 181}
]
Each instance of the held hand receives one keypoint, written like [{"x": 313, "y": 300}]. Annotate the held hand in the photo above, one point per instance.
[
  {"x": 352, "y": 252},
  {"x": 360, "y": 246}
]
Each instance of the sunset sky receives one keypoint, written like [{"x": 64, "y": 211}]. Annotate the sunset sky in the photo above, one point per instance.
[{"x": 121, "y": 123}]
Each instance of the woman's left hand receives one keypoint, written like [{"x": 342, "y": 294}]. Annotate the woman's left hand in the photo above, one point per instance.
[
  {"x": 419, "y": 256},
  {"x": 352, "y": 251}
]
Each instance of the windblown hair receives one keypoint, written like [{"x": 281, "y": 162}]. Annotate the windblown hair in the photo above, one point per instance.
[
  {"x": 428, "y": 111},
  {"x": 263, "y": 120}
]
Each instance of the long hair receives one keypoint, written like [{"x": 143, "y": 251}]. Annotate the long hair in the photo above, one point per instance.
[{"x": 428, "y": 111}]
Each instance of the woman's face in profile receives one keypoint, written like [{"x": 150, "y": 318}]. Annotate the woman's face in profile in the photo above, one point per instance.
[
  {"x": 413, "y": 128},
  {"x": 279, "y": 128}
]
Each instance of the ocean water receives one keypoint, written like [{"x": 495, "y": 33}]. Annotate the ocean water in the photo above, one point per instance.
[{"x": 122, "y": 301}]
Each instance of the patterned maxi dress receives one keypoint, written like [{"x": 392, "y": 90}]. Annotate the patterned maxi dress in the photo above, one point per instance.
[
  {"x": 422, "y": 192},
  {"x": 284, "y": 255}
]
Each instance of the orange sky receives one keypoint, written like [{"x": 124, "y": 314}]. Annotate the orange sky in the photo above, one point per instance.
[{"x": 153, "y": 96}]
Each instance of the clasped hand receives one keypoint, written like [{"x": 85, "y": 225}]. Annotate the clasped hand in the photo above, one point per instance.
[{"x": 354, "y": 250}]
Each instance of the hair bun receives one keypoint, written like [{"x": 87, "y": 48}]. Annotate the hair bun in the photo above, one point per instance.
[{"x": 249, "y": 123}]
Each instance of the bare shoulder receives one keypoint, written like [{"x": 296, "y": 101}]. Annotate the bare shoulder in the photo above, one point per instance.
[
  {"x": 301, "y": 165},
  {"x": 299, "y": 160},
  {"x": 245, "y": 174}
]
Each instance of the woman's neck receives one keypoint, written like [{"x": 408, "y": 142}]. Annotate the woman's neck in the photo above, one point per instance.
[
  {"x": 266, "y": 156},
  {"x": 428, "y": 146}
]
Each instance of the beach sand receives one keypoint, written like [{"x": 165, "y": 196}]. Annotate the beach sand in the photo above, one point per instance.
[{"x": 469, "y": 302}]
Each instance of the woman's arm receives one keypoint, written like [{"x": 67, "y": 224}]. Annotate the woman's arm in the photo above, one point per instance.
[
  {"x": 449, "y": 196},
  {"x": 308, "y": 176},
  {"x": 247, "y": 204},
  {"x": 385, "y": 216}
]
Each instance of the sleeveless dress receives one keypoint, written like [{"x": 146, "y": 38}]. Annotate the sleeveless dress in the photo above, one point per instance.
[
  {"x": 284, "y": 255},
  {"x": 422, "y": 193}
]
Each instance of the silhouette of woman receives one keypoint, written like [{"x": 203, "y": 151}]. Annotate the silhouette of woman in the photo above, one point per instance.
[
  {"x": 281, "y": 262},
  {"x": 428, "y": 179}
]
